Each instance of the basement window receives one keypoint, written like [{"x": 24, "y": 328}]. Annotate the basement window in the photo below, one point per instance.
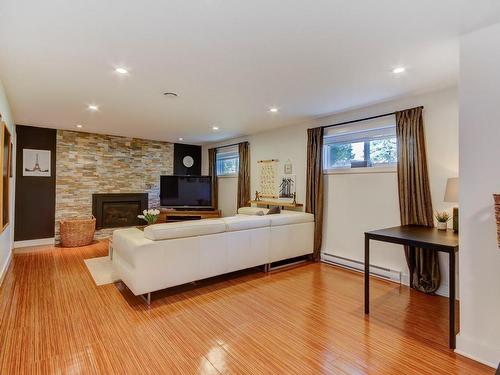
[
  {"x": 368, "y": 146},
  {"x": 228, "y": 162}
]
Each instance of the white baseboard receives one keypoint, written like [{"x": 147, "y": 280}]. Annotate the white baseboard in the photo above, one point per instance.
[
  {"x": 355, "y": 265},
  {"x": 395, "y": 276},
  {"x": 37, "y": 242},
  {"x": 477, "y": 351},
  {"x": 5, "y": 268}
]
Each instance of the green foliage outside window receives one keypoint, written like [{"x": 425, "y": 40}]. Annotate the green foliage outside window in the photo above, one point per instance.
[
  {"x": 341, "y": 154},
  {"x": 383, "y": 151},
  {"x": 227, "y": 166},
  {"x": 377, "y": 151}
]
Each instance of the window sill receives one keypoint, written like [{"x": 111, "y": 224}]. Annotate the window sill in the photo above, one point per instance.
[
  {"x": 361, "y": 170},
  {"x": 228, "y": 176}
]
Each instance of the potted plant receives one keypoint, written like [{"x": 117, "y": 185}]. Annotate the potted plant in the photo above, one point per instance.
[
  {"x": 150, "y": 216},
  {"x": 442, "y": 220}
]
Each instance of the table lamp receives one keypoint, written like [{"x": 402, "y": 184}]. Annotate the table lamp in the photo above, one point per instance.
[{"x": 451, "y": 195}]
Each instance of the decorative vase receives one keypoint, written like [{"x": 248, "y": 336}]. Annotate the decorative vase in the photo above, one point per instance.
[
  {"x": 442, "y": 225},
  {"x": 455, "y": 219},
  {"x": 150, "y": 216}
]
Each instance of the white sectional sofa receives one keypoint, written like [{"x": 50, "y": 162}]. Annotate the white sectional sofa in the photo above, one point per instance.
[{"x": 171, "y": 254}]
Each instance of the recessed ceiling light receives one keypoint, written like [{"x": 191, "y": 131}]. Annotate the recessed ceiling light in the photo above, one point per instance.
[
  {"x": 121, "y": 70},
  {"x": 93, "y": 107},
  {"x": 273, "y": 110},
  {"x": 399, "y": 70},
  {"x": 79, "y": 126},
  {"x": 215, "y": 128},
  {"x": 181, "y": 139}
]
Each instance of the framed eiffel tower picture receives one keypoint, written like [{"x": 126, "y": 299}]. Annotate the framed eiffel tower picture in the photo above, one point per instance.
[{"x": 36, "y": 163}]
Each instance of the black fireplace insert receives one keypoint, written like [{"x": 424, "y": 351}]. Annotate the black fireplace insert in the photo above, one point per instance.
[{"x": 118, "y": 209}]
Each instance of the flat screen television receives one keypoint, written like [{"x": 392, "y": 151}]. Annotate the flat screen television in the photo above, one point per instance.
[{"x": 186, "y": 191}]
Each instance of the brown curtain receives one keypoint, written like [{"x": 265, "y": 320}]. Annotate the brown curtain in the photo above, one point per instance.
[
  {"x": 415, "y": 196},
  {"x": 314, "y": 185},
  {"x": 244, "y": 175},
  {"x": 212, "y": 171}
]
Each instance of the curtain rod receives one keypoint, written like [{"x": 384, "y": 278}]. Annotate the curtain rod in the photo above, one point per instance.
[
  {"x": 367, "y": 118},
  {"x": 231, "y": 145}
]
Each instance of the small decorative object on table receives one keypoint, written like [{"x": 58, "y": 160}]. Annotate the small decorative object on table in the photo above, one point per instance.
[
  {"x": 287, "y": 186},
  {"x": 150, "y": 216},
  {"x": 451, "y": 195},
  {"x": 497, "y": 214},
  {"x": 257, "y": 197},
  {"x": 442, "y": 220}
]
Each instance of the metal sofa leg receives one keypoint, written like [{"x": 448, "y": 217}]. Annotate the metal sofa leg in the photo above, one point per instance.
[{"x": 147, "y": 298}]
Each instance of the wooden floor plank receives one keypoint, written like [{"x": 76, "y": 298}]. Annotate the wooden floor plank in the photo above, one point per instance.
[{"x": 304, "y": 320}]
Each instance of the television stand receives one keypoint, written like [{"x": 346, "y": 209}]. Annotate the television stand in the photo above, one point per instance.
[
  {"x": 170, "y": 215},
  {"x": 189, "y": 208}
]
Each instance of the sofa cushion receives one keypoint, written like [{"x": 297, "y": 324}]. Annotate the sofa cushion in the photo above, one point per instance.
[
  {"x": 252, "y": 211},
  {"x": 190, "y": 228},
  {"x": 242, "y": 222},
  {"x": 290, "y": 217}
]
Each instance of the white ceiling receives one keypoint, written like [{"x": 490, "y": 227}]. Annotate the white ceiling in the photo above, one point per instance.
[{"x": 229, "y": 60}]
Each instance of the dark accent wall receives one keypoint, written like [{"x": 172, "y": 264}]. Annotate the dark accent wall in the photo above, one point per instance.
[
  {"x": 35, "y": 196},
  {"x": 181, "y": 151}
]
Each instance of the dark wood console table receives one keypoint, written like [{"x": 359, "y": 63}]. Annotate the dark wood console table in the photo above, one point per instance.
[
  {"x": 172, "y": 215},
  {"x": 271, "y": 203},
  {"x": 426, "y": 238}
]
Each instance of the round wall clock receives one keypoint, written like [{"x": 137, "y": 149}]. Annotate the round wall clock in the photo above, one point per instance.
[{"x": 188, "y": 161}]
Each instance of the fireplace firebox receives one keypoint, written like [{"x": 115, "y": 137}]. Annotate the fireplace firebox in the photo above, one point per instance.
[{"x": 118, "y": 209}]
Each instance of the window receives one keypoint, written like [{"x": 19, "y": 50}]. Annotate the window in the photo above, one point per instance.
[
  {"x": 228, "y": 162},
  {"x": 367, "y": 144}
]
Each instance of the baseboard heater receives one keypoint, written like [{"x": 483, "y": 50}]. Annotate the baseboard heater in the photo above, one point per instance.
[{"x": 356, "y": 265}]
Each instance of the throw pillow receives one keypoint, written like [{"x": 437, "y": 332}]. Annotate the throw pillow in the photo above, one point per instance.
[{"x": 274, "y": 210}]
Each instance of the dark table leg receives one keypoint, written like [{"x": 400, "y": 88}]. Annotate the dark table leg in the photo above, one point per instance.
[
  {"x": 452, "y": 300},
  {"x": 367, "y": 274},
  {"x": 411, "y": 267}
]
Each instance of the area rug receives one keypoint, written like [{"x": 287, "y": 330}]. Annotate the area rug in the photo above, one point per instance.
[{"x": 102, "y": 270}]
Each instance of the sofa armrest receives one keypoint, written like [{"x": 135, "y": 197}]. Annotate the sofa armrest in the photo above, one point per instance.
[{"x": 128, "y": 243}]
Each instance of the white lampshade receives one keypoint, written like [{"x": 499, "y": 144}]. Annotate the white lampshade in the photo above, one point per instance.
[{"x": 451, "y": 194}]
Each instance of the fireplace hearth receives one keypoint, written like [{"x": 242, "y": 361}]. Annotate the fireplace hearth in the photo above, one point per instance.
[{"x": 118, "y": 209}]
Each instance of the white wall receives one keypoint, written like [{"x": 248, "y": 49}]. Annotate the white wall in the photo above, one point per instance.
[
  {"x": 228, "y": 195},
  {"x": 479, "y": 254},
  {"x": 282, "y": 144},
  {"x": 355, "y": 203},
  {"x": 6, "y": 238}
]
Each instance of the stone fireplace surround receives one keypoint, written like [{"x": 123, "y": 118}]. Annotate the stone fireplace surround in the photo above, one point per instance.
[{"x": 88, "y": 164}]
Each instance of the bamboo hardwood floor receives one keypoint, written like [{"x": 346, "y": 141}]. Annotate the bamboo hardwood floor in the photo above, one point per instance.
[{"x": 304, "y": 320}]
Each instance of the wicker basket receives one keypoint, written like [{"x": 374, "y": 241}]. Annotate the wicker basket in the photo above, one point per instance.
[
  {"x": 77, "y": 232},
  {"x": 497, "y": 214}
]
